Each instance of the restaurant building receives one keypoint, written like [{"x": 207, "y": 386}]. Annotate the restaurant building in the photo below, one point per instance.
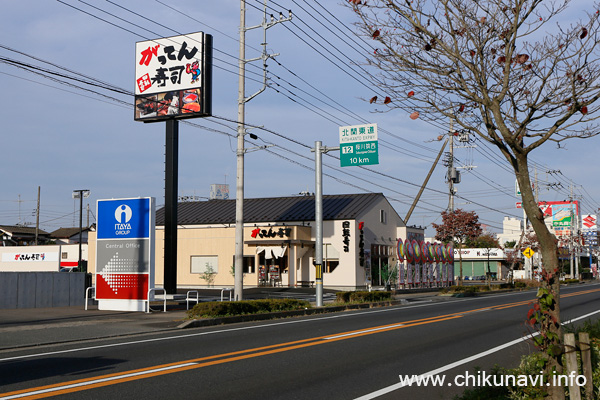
[{"x": 360, "y": 232}]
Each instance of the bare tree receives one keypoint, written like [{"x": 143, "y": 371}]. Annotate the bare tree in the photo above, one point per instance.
[{"x": 505, "y": 70}]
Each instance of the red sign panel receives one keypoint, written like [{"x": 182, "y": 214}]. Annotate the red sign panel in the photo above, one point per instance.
[{"x": 122, "y": 286}]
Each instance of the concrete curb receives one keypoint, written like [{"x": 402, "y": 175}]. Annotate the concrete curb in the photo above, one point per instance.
[{"x": 195, "y": 323}]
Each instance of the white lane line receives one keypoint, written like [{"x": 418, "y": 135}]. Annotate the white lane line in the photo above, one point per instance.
[
  {"x": 437, "y": 371},
  {"x": 96, "y": 381}
]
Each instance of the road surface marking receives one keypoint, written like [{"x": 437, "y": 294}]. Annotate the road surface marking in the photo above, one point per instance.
[
  {"x": 437, "y": 371},
  {"x": 111, "y": 379}
]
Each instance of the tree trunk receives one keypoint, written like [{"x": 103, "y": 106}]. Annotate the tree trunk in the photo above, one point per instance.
[
  {"x": 460, "y": 276},
  {"x": 549, "y": 250}
]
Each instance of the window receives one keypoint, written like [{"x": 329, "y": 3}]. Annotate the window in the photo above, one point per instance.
[
  {"x": 331, "y": 258},
  {"x": 382, "y": 216},
  {"x": 249, "y": 266},
  {"x": 64, "y": 255},
  {"x": 202, "y": 264}
]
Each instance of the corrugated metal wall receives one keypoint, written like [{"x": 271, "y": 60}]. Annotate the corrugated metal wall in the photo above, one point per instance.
[{"x": 41, "y": 289}]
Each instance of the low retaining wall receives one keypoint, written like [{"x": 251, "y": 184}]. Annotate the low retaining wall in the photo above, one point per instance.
[{"x": 41, "y": 289}]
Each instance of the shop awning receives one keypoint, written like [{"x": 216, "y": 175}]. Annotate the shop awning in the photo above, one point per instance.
[{"x": 271, "y": 251}]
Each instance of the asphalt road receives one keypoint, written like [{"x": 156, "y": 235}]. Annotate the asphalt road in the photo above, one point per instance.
[{"x": 335, "y": 356}]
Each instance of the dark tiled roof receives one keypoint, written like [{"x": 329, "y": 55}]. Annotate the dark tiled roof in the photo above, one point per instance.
[
  {"x": 21, "y": 230},
  {"x": 63, "y": 233},
  {"x": 275, "y": 209}
]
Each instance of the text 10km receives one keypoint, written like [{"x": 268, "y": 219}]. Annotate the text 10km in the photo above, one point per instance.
[{"x": 359, "y": 160}]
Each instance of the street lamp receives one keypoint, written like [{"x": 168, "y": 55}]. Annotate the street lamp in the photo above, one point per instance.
[{"x": 80, "y": 194}]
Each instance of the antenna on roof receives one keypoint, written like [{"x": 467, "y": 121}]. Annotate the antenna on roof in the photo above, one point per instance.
[{"x": 306, "y": 192}]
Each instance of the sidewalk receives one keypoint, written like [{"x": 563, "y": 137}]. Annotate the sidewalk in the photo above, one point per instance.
[{"x": 39, "y": 326}]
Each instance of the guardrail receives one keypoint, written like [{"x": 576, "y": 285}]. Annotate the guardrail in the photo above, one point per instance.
[
  {"x": 188, "y": 298},
  {"x": 87, "y": 295},
  {"x": 148, "y": 299},
  {"x": 226, "y": 289}
]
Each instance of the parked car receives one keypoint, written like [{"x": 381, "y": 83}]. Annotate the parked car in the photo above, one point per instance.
[{"x": 69, "y": 269}]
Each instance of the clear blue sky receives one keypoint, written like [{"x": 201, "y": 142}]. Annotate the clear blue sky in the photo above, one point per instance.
[{"x": 63, "y": 138}]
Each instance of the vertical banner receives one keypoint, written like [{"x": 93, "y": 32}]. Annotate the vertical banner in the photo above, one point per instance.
[
  {"x": 124, "y": 253},
  {"x": 401, "y": 274}
]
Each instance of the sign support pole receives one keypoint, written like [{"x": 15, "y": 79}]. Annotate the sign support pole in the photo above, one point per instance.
[
  {"x": 319, "y": 150},
  {"x": 319, "y": 224},
  {"x": 171, "y": 176}
]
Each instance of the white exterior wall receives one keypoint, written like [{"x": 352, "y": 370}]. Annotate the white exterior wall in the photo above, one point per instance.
[
  {"x": 72, "y": 252},
  {"x": 38, "y": 258},
  {"x": 344, "y": 274},
  {"x": 349, "y": 273},
  {"x": 511, "y": 230},
  {"x": 381, "y": 233},
  {"x": 29, "y": 258}
]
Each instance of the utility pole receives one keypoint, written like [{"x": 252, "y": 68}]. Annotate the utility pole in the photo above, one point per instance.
[
  {"x": 80, "y": 194},
  {"x": 37, "y": 217},
  {"x": 452, "y": 176},
  {"x": 451, "y": 168},
  {"x": 241, "y": 132},
  {"x": 239, "y": 193}
]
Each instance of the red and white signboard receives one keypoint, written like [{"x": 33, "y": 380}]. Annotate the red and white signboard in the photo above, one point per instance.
[
  {"x": 173, "y": 77},
  {"x": 589, "y": 222}
]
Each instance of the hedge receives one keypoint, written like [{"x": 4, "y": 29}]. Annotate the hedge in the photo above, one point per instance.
[
  {"x": 362, "y": 296},
  {"x": 229, "y": 308}
]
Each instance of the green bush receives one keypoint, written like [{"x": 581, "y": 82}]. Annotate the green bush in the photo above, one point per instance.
[
  {"x": 464, "y": 289},
  {"x": 343, "y": 297},
  {"x": 362, "y": 296},
  {"x": 520, "y": 285},
  {"x": 527, "y": 283},
  {"x": 229, "y": 308}
]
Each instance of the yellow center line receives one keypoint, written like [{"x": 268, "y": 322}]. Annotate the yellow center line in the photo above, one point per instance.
[{"x": 169, "y": 368}]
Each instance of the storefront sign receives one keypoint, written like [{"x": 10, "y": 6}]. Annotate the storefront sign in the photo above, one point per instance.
[
  {"x": 173, "y": 77},
  {"x": 479, "y": 253},
  {"x": 361, "y": 244},
  {"x": 346, "y": 236},
  {"x": 272, "y": 232},
  {"x": 17, "y": 257}
]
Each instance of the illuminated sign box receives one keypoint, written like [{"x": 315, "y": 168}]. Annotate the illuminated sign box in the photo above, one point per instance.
[
  {"x": 173, "y": 78},
  {"x": 124, "y": 253}
]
